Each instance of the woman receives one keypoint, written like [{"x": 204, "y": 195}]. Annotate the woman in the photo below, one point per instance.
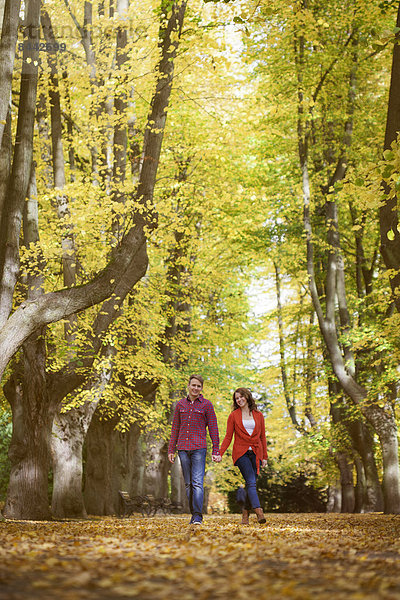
[{"x": 249, "y": 447}]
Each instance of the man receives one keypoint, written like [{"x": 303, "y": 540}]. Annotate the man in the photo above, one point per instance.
[{"x": 192, "y": 416}]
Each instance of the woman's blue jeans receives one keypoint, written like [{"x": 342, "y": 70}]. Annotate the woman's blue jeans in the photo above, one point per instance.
[
  {"x": 248, "y": 468},
  {"x": 193, "y": 463}
]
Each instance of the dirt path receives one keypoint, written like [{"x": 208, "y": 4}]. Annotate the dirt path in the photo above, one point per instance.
[{"x": 293, "y": 556}]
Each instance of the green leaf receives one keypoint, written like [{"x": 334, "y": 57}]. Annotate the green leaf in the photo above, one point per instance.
[
  {"x": 388, "y": 171},
  {"x": 388, "y": 155}
]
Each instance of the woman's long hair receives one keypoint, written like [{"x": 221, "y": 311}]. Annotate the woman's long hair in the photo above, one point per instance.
[{"x": 247, "y": 394}]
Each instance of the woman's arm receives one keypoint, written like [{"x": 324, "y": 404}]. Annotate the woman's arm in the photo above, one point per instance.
[
  {"x": 230, "y": 427},
  {"x": 263, "y": 438}
]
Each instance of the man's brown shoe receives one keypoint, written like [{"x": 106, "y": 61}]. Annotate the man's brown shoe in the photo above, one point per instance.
[{"x": 245, "y": 517}]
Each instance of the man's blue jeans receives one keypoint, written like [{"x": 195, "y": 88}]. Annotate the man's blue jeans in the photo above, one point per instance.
[
  {"x": 248, "y": 468},
  {"x": 193, "y": 463}
]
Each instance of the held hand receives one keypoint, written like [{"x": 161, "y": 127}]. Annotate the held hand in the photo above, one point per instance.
[
  {"x": 264, "y": 462},
  {"x": 216, "y": 458},
  {"x": 171, "y": 458}
]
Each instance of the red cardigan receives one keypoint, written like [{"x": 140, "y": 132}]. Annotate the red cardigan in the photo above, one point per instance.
[{"x": 243, "y": 440}]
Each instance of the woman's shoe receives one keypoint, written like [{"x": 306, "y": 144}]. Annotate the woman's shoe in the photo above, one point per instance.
[
  {"x": 245, "y": 517},
  {"x": 260, "y": 515}
]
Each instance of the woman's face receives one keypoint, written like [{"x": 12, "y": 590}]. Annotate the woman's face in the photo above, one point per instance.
[{"x": 241, "y": 400}]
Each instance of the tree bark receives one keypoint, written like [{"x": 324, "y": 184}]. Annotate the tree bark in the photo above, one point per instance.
[
  {"x": 360, "y": 487},
  {"x": 346, "y": 482},
  {"x": 155, "y": 480},
  {"x": 68, "y": 436},
  {"x": 21, "y": 167},
  {"x": 8, "y": 44},
  {"x": 384, "y": 423},
  {"x": 370, "y": 499},
  {"x": 114, "y": 461},
  {"x": 27, "y": 495},
  {"x": 178, "y": 491},
  {"x": 5, "y": 162},
  {"x": 388, "y": 212},
  {"x": 334, "y": 504}
]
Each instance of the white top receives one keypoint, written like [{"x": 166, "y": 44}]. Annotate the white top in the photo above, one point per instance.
[{"x": 249, "y": 425}]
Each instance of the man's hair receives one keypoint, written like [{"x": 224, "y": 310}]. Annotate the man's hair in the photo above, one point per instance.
[{"x": 199, "y": 377}]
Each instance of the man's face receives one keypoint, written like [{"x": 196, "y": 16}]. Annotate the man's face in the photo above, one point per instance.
[{"x": 195, "y": 387}]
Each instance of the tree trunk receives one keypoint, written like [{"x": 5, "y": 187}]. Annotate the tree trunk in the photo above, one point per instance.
[
  {"x": 346, "y": 482},
  {"x": 67, "y": 445},
  {"x": 9, "y": 35},
  {"x": 360, "y": 487},
  {"x": 363, "y": 443},
  {"x": 334, "y": 504},
  {"x": 157, "y": 466},
  {"x": 384, "y": 423},
  {"x": 27, "y": 495},
  {"x": 27, "y": 392},
  {"x": 21, "y": 167},
  {"x": 69, "y": 433},
  {"x": 114, "y": 461},
  {"x": 388, "y": 212},
  {"x": 178, "y": 490},
  {"x": 5, "y": 162}
]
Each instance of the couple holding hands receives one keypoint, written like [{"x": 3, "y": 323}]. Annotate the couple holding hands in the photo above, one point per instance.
[{"x": 192, "y": 416}]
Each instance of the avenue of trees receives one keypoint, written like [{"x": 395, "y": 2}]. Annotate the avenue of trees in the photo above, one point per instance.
[{"x": 190, "y": 186}]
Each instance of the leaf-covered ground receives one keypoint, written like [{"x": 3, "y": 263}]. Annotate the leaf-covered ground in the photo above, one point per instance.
[{"x": 298, "y": 556}]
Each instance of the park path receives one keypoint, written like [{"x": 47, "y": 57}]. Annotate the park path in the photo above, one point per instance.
[{"x": 296, "y": 556}]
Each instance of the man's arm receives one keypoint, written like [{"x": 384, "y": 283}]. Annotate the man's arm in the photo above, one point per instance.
[{"x": 176, "y": 424}]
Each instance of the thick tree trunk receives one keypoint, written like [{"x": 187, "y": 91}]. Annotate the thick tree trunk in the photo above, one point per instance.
[
  {"x": 384, "y": 423},
  {"x": 363, "y": 443},
  {"x": 27, "y": 392},
  {"x": 27, "y": 495},
  {"x": 67, "y": 444},
  {"x": 69, "y": 433},
  {"x": 114, "y": 461},
  {"x": 156, "y": 470}
]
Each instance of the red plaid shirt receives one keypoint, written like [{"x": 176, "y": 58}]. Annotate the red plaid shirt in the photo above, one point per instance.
[{"x": 189, "y": 426}]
